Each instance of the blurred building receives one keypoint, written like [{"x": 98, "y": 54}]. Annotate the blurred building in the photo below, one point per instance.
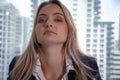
[
  {"x": 34, "y": 5},
  {"x": 115, "y": 67},
  {"x": 14, "y": 35},
  {"x": 102, "y": 47},
  {"x": 10, "y": 35},
  {"x": 26, "y": 32},
  {"x": 119, "y": 34},
  {"x": 99, "y": 38}
]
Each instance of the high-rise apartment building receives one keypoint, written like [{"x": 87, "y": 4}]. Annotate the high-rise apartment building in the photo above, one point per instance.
[
  {"x": 115, "y": 67},
  {"x": 102, "y": 47},
  {"x": 93, "y": 15},
  {"x": 119, "y": 35},
  {"x": 34, "y": 5},
  {"x": 99, "y": 38},
  {"x": 26, "y": 33},
  {"x": 73, "y": 6},
  {"x": 10, "y": 35},
  {"x": 115, "y": 60}
]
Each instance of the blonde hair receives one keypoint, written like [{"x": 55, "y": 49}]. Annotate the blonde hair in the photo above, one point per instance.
[{"x": 25, "y": 65}]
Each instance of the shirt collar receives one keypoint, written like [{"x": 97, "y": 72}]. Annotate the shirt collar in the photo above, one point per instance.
[{"x": 37, "y": 72}]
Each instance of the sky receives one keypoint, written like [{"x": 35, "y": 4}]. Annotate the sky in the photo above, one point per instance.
[
  {"x": 22, "y": 5},
  {"x": 110, "y": 11}
]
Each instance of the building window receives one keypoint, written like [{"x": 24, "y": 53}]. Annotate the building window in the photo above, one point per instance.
[
  {"x": 94, "y": 50},
  {"x": 102, "y": 30},
  {"x": 94, "y": 35},
  {"x": 0, "y": 16},
  {"x": 95, "y": 45},
  {"x": 89, "y": 5},
  {"x": 88, "y": 10},
  {"x": 0, "y": 10},
  {"x": 88, "y": 35},
  {"x": 88, "y": 40},
  {"x": 88, "y": 45},
  {"x": 0, "y": 22},
  {"x": 88, "y": 50},
  {"x": 75, "y": 4},
  {"x": 101, "y": 55},
  {"x": 101, "y": 50},
  {"x": 88, "y": 30},
  {"x": 89, "y": 20},
  {"x": 89, "y": 0},
  {"x": 95, "y": 26},
  {"x": 95, "y": 40},
  {"x": 74, "y": 14},
  {"x": 95, "y": 30},
  {"x": 102, "y": 36},
  {"x": 88, "y": 15},
  {"x": 102, "y": 41},
  {"x": 88, "y": 25},
  {"x": 102, "y": 45},
  {"x": 101, "y": 60},
  {"x": 101, "y": 66},
  {"x": 74, "y": 9}
]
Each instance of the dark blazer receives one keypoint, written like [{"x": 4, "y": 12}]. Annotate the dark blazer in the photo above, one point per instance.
[{"x": 71, "y": 75}]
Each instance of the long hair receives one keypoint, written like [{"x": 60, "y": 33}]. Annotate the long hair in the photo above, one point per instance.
[{"x": 25, "y": 65}]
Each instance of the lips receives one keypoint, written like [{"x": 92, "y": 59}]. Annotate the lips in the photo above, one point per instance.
[{"x": 49, "y": 32}]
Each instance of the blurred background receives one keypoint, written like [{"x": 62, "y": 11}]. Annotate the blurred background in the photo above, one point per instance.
[{"x": 97, "y": 23}]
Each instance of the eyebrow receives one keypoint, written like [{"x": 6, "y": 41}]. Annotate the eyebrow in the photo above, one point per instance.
[{"x": 57, "y": 13}]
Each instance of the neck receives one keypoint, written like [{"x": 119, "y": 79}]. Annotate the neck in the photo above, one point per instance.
[
  {"x": 51, "y": 53},
  {"x": 52, "y": 60}
]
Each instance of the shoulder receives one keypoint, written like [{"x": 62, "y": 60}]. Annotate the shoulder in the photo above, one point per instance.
[
  {"x": 92, "y": 63},
  {"x": 11, "y": 66},
  {"x": 12, "y": 63}
]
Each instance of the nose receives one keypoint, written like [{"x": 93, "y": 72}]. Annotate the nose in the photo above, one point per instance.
[{"x": 48, "y": 23}]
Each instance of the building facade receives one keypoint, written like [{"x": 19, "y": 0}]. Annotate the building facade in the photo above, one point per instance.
[
  {"x": 34, "y": 5},
  {"x": 115, "y": 67},
  {"x": 99, "y": 38},
  {"x": 26, "y": 33},
  {"x": 10, "y": 34},
  {"x": 103, "y": 46}
]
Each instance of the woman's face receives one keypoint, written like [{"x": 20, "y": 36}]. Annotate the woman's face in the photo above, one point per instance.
[{"x": 51, "y": 27}]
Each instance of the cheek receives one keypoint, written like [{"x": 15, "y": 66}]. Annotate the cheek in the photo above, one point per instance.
[
  {"x": 38, "y": 32},
  {"x": 38, "y": 29},
  {"x": 64, "y": 32}
]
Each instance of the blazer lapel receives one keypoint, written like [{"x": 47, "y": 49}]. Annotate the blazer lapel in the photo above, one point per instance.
[{"x": 71, "y": 75}]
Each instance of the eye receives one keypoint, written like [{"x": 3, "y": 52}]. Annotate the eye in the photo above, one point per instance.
[
  {"x": 58, "y": 20},
  {"x": 42, "y": 20}
]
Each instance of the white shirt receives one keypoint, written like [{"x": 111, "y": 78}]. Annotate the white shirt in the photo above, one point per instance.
[{"x": 40, "y": 76}]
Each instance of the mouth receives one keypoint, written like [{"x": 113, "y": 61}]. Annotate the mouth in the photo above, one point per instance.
[{"x": 49, "y": 32}]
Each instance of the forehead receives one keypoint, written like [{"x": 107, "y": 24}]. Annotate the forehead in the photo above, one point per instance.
[{"x": 51, "y": 8}]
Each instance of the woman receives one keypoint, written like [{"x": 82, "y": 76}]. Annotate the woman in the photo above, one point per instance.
[{"x": 53, "y": 52}]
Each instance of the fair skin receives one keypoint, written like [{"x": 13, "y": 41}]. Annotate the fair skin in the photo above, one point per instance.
[{"x": 51, "y": 31}]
